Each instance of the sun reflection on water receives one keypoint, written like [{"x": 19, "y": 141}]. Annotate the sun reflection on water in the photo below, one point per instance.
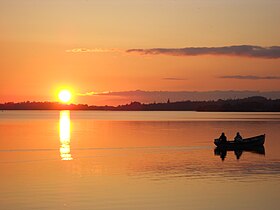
[{"x": 64, "y": 133}]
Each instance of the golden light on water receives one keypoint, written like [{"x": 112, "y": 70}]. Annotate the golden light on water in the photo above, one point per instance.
[{"x": 65, "y": 135}]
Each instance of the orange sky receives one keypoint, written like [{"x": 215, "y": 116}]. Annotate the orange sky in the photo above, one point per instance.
[{"x": 40, "y": 42}]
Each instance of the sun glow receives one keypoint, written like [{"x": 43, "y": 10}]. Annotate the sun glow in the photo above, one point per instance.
[{"x": 65, "y": 96}]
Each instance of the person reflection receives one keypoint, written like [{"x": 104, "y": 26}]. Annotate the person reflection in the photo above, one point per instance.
[
  {"x": 222, "y": 152},
  {"x": 64, "y": 134},
  {"x": 238, "y": 153}
]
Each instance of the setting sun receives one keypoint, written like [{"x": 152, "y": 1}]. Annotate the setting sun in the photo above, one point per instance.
[{"x": 64, "y": 96}]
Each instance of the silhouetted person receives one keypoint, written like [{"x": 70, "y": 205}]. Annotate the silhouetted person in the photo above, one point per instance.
[
  {"x": 223, "y": 137},
  {"x": 238, "y": 137}
]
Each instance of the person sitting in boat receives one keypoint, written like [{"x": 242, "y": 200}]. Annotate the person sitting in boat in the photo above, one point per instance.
[
  {"x": 223, "y": 137},
  {"x": 238, "y": 137}
]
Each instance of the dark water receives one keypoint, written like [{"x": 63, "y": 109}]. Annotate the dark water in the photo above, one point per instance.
[{"x": 136, "y": 160}]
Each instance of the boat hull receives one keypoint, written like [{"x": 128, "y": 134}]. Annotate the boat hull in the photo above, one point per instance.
[{"x": 245, "y": 143}]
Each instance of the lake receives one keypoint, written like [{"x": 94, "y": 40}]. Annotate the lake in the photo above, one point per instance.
[{"x": 136, "y": 160}]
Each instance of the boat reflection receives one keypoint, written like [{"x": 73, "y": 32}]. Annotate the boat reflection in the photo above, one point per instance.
[
  {"x": 222, "y": 152},
  {"x": 64, "y": 134}
]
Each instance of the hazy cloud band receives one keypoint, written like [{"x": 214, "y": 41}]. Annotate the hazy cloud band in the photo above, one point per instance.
[
  {"x": 237, "y": 50},
  {"x": 174, "y": 78},
  {"x": 125, "y": 97},
  {"x": 91, "y": 50},
  {"x": 249, "y": 77}
]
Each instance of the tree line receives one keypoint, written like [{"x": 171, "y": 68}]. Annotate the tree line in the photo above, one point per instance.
[{"x": 250, "y": 104}]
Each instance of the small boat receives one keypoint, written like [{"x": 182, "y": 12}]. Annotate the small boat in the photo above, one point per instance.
[{"x": 245, "y": 143}]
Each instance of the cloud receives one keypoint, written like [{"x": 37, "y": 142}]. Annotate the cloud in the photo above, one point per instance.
[
  {"x": 125, "y": 97},
  {"x": 237, "y": 50},
  {"x": 162, "y": 96},
  {"x": 174, "y": 78},
  {"x": 91, "y": 50},
  {"x": 249, "y": 77},
  {"x": 92, "y": 93}
]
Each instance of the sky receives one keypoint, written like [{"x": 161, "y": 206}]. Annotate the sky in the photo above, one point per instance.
[{"x": 94, "y": 47}]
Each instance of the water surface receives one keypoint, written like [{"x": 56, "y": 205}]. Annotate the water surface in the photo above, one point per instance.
[{"x": 136, "y": 160}]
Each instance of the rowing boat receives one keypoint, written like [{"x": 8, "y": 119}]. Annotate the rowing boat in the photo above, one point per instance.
[{"x": 245, "y": 143}]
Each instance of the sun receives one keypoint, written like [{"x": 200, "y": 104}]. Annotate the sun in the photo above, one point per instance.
[{"x": 65, "y": 96}]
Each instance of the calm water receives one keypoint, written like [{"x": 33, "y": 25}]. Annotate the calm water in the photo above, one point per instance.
[{"x": 135, "y": 160}]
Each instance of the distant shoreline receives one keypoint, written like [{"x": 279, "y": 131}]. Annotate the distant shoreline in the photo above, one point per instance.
[
  {"x": 250, "y": 104},
  {"x": 93, "y": 110}
]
